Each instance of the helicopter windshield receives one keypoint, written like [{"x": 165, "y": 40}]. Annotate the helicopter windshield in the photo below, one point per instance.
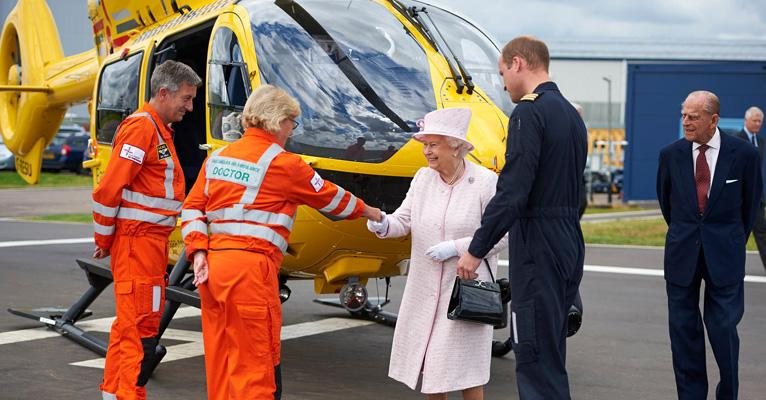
[
  {"x": 477, "y": 52},
  {"x": 362, "y": 81}
]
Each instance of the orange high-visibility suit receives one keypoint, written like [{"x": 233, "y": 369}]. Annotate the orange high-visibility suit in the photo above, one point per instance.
[
  {"x": 135, "y": 206},
  {"x": 241, "y": 210}
]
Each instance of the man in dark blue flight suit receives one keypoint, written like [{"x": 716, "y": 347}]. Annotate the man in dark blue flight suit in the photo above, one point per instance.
[{"x": 537, "y": 199}]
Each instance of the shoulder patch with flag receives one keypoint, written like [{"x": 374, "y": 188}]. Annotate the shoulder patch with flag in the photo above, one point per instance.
[
  {"x": 317, "y": 182},
  {"x": 132, "y": 153}
]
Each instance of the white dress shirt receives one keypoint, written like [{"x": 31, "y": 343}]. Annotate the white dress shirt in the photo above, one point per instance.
[
  {"x": 711, "y": 155},
  {"x": 751, "y": 137}
]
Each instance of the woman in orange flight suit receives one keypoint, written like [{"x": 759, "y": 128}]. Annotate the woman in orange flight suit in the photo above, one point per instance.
[{"x": 236, "y": 223}]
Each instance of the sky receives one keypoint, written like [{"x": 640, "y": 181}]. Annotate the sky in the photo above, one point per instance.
[
  {"x": 686, "y": 20},
  {"x": 618, "y": 20}
]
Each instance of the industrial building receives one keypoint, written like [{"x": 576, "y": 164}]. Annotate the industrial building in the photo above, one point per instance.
[{"x": 632, "y": 91}]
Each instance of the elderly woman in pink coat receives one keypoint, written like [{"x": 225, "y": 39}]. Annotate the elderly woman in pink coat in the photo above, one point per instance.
[{"x": 442, "y": 209}]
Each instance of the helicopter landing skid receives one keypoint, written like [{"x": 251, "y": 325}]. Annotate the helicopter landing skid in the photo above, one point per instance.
[{"x": 372, "y": 310}]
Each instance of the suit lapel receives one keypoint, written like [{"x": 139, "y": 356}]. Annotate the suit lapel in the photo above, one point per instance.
[
  {"x": 722, "y": 166},
  {"x": 759, "y": 140},
  {"x": 685, "y": 165}
]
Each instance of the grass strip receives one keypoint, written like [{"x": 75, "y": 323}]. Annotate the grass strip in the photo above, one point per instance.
[
  {"x": 10, "y": 179},
  {"x": 80, "y": 218},
  {"x": 639, "y": 232}
]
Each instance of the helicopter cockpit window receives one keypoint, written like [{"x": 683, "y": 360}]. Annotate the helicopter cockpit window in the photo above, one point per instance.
[
  {"x": 362, "y": 81},
  {"x": 117, "y": 95},
  {"x": 477, "y": 52},
  {"x": 228, "y": 86}
]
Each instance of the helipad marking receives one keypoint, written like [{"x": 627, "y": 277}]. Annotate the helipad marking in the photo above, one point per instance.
[
  {"x": 639, "y": 271},
  {"x": 194, "y": 346},
  {"x": 20, "y": 243}
]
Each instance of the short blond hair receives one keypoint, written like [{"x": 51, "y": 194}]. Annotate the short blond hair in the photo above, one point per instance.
[{"x": 267, "y": 107}]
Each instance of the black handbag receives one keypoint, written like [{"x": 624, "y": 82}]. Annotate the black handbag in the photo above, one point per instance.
[{"x": 476, "y": 301}]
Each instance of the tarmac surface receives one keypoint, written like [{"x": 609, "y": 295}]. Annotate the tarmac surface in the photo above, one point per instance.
[{"x": 621, "y": 352}]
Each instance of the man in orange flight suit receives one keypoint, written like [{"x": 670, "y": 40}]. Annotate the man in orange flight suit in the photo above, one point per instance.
[
  {"x": 237, "y": 219},
  {"x": 135, "y": 206}
]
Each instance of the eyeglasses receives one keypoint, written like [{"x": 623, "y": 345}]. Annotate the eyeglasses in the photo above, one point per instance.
[{"x": 295, "y": 123}]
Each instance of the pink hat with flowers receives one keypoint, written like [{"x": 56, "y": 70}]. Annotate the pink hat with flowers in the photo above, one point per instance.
[{"x": 452, "y": 122}]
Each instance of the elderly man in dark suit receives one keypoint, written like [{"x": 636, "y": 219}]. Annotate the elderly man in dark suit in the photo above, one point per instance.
[
  {"x": 709, "y": 189},
  {"x": 753, "y": 122}
]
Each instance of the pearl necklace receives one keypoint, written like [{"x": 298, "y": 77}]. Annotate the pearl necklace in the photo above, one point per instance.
[{"x": 458, "y": 172}]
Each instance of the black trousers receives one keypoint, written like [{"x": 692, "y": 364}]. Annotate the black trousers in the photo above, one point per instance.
[
  {"x": 545, "y": 278},
  {"x": 723, "y": 309}
]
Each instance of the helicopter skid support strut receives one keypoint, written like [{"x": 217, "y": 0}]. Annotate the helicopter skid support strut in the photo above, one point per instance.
[
  {"x": 372, "y": 310},
  {"x": 179, "y": 291}
]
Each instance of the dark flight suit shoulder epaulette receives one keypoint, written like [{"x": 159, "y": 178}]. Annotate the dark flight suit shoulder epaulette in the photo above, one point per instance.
[{"x": 530, "y": 97}]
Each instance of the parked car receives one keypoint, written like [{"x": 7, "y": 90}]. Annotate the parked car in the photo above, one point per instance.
[
  {"x": 601, "y": 182},
  {"x": 6, "y": 157},
  {"x": 66, "y": 150}
]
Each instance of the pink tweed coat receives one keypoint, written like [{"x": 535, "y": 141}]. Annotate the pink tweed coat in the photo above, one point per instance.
[{"x": 453, "y": 355}]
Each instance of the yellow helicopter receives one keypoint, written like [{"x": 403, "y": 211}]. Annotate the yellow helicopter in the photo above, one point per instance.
[{"x": 364, "y": 71}]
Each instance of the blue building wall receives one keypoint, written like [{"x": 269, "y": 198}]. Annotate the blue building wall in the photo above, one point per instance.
[{"x": 653, "y": 108}]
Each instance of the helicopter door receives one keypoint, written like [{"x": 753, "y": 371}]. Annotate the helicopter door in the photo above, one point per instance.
[{"x": 228, "y": 80}]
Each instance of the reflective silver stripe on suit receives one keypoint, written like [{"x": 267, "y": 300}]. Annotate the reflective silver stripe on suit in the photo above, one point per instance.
[
  {"x": 149, "y": 201},
  {"x": 188, "y": 214},
  {"x": 349, "y": 207},
  {"x": 207, "y": 167},
  {"x": 169, "y": 163},
  {"x": 106, "y": 211},
  {"x": 256, "y": 231},
  {"x": 262, "y": 217},
  {"x": 333, "y": 204},
  {"x": 194, "y": 226},
  {"x": 140, "y": 114},
  {"x": 108, "y": 396},
  {"x": 264, "y": 162},
  {"x": 169, "y": 167},
  {"x": 146, "y": 216},
  {"x": 105, "y": 230}
]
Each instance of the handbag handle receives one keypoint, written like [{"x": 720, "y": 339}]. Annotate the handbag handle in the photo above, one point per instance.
[{"x": 490, "y": 270}]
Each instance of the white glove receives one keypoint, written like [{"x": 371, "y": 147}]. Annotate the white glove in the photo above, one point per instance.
[
  {"x": 442, "y": 251},
  {"x": 381, "y": 228}
]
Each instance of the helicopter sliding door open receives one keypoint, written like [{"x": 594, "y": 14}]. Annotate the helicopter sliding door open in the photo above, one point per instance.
[{"x": 190, "y": 132}]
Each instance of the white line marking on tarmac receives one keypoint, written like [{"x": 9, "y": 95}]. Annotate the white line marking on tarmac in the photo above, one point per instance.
[
  {"x": 194, "y": 346},
  {"x": 26, "y": 335},
  {"x": 99, "y": 325},
  {"x": 19, "y": 243},
  {"x": 639, "y": 271}
]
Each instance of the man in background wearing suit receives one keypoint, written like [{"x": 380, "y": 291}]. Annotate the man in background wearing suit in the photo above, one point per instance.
[
  {"x": 753, "y": 122},
  {"x": 709, "y": 189}
]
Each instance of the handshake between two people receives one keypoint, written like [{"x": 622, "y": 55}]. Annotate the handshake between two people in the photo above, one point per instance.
[{"x": 439, "y": 252}]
